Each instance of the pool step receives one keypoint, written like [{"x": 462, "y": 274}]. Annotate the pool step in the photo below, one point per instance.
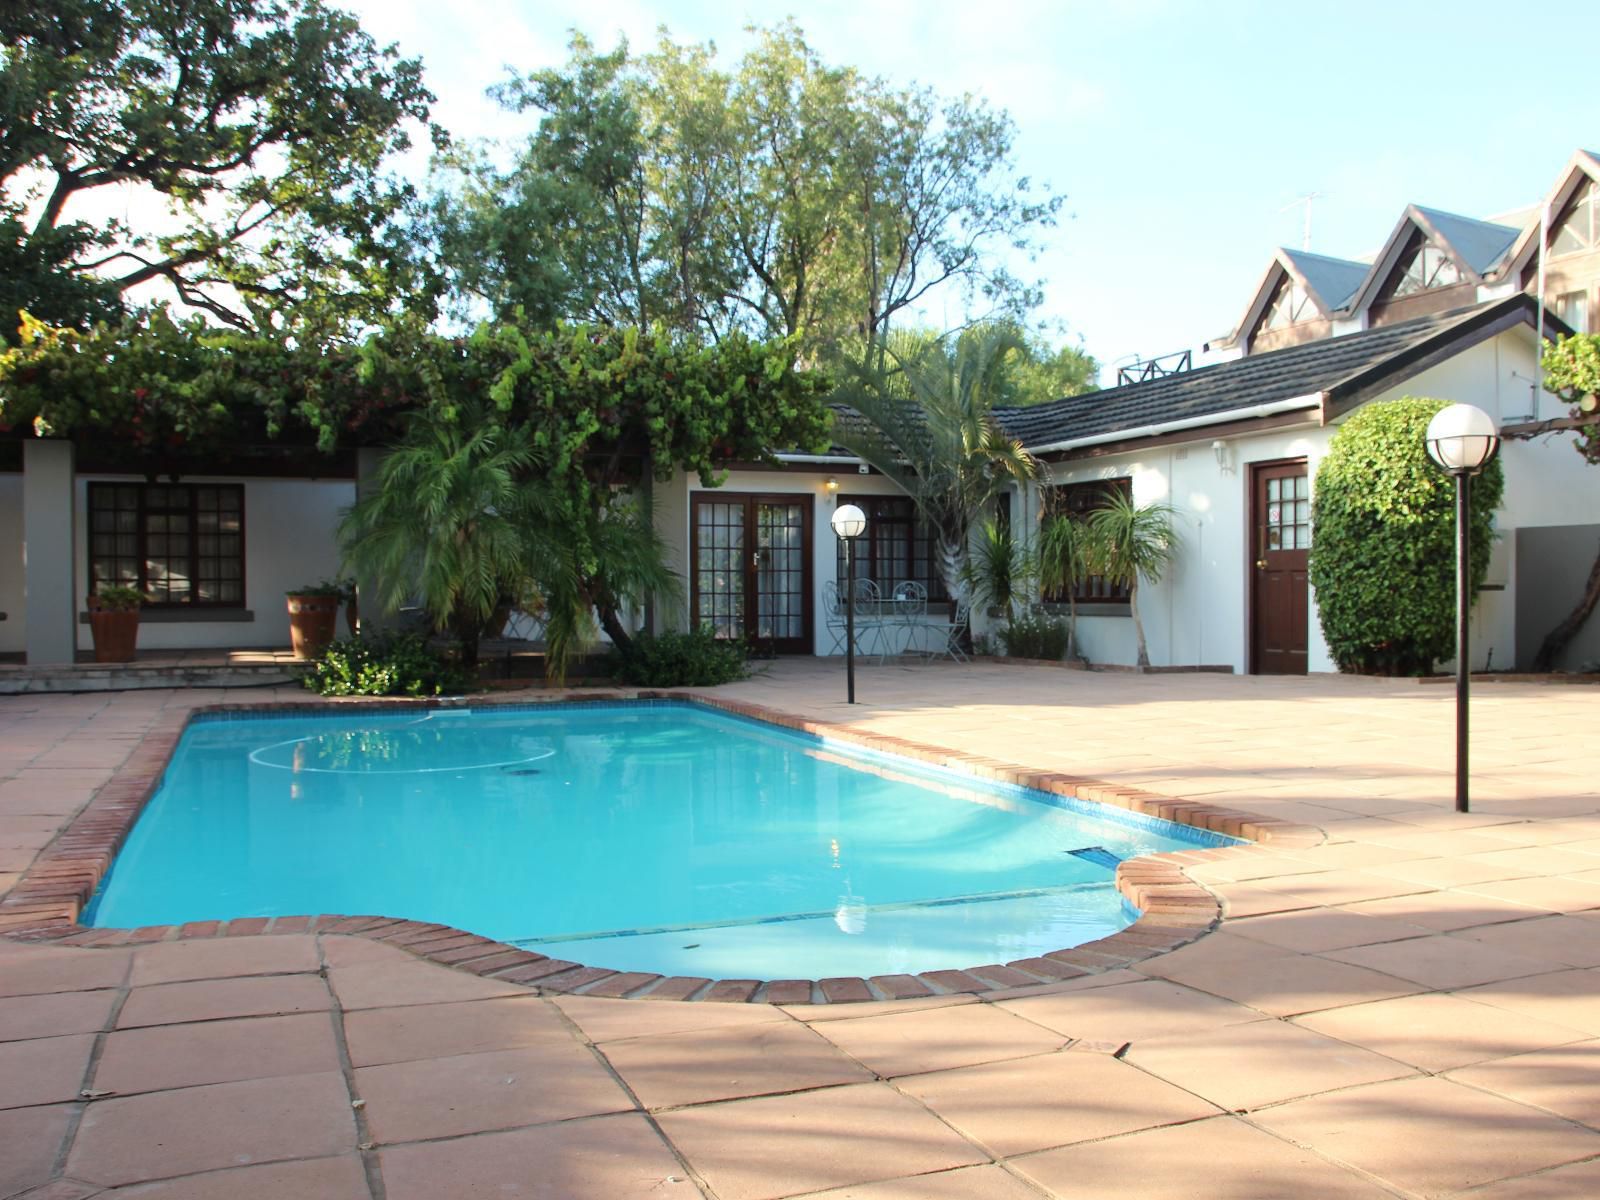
[{"x": 1098, "y": 855}]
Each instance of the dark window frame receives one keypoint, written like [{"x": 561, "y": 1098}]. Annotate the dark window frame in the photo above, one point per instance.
[
  {"x": 144, "y": 509},
  {"x": 875, "y": 546},
  {"x": 1076, "y": 501}
]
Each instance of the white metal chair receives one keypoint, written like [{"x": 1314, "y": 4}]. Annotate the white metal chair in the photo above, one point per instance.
[
  {"x": 911, "y": 613},
  {"x": 948, "y": 634},
  {"x": 834, "y": 615},
  {"x": 868, "y": 604}
]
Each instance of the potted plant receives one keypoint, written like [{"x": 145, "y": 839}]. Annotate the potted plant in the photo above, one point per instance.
[
  {"x": 314, "y": 617},
  {"x": 114, "y": 621}
]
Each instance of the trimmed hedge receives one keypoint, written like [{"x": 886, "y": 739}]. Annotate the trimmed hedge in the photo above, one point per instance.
[{"x": 1383, "y": 544}]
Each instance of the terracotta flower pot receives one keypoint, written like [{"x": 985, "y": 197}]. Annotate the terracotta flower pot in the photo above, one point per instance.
[
  {"x": 116, "y": 631},
  {"x": 313, "y": 622}
]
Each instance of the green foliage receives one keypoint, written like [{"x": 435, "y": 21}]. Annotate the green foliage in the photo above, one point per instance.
[
  {"x": 999, "y": 571},
  {"x": 1035, "y": 635},
  {"x": 1572, "y": 371},
  {"x": 696, "y": 659},
  {"x": 1383, "y": 547},
  {"x": 388, "y": 664},
  {"x": 1036, "y": 371},
  {"x": 323, "y": 587},
  {"x": 784, "y": 197},
  {"x": 450, "y": 521},
  {"x": 260, "y": 126},
  {"x": 1063, "y": 558},
  {"x": 926, "y": 420},
  {"x": 159, "y": 391},
  {"x": 119, "y": 599},
  {"x": 1130, "y": 544}
]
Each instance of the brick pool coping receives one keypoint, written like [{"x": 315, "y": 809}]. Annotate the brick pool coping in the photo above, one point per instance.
[{"x": 46, "y": 903}]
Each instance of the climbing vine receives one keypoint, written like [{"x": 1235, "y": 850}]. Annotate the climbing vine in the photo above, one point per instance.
[{"x": 1572, "y": 371}]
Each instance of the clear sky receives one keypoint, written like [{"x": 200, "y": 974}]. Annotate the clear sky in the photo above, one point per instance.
[{"x": 1178, "y": 131}]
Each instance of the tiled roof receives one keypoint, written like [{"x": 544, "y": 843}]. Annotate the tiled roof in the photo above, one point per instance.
[
  {"x": 1350, "y": 361},
  {"x": 1481, "y": 244},
  {"x": 1334, "y": 280}
]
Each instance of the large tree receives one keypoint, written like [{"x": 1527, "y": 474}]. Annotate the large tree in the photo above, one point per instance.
[
  {"x": 783, "y": 197},
  {"x": 230, "y": 150}
]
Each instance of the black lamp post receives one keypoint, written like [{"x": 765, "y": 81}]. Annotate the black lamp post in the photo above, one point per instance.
[
  {"x": 849, "y": 523},
  {"x": 1462, "y": 439}
]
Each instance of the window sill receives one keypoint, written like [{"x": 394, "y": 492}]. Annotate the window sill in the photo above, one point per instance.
[
  {"x": 188, "y": 616},
  {"x": 1092, "y": 608}
]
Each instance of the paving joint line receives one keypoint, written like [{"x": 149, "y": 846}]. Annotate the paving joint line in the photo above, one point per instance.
[{"x": 365, "y": 1144}]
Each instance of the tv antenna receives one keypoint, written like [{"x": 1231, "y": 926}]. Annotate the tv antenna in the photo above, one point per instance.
[{"x": 1308, "y": 200}]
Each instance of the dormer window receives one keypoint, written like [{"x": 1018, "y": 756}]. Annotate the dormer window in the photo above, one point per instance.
[
  {"x": 1579, "y": 229},
  {"x": 1422, "y": 268},
  {"x": 1290, "y": 305}
]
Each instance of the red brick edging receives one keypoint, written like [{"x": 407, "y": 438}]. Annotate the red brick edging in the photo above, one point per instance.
[{"x": 45, "y": 905}]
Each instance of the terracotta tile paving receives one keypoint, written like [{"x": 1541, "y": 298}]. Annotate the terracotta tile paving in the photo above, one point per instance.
[
  {"x": 1406, "y": 1008},
  {"x": 1431, "y": 1136}
]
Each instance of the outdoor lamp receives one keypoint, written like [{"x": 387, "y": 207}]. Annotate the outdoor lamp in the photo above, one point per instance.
[
  {"x": 1462, "y": 439},
  {"x": 831, "y": 484},
  {"x": 849, "y": 523}
]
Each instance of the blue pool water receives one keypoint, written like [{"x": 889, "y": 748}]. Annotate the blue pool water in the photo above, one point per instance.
[{"x": 653, "y": 837}]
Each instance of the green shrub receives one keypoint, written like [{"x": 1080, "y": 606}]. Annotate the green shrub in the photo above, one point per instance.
[
  {"x": 384, "y": 664},
  {"x": 115, "y": 598},
  {"x": 698, "y": 659},
  {"x": 1035, "y": 635},
  {"x": 1383, "y": 541}
]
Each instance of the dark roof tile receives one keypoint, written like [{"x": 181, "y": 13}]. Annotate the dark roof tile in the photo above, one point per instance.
[{"x": 1245, "y": 383}]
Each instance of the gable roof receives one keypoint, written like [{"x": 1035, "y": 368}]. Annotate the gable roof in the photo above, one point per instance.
[
  {"x": 1331, "y": 281},
  {"x": 1583, "y": 165},
  {"x": 1328, "y": 281},
  {"x": 1333, "y": 373},
  {"x": 1480, "y": 245},
  {"x": 1470, "y": 243}
]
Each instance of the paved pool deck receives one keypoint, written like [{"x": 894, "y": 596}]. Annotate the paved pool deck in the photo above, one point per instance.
[{"x": 1409, "y": 1008}]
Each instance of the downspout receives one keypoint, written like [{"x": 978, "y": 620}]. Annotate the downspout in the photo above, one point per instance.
[{"x": 1538, "y": 346}]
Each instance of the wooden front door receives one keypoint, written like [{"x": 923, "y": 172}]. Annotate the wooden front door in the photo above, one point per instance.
[
  {"x": 752, "y": 568},
  {"x": 1280, "y": 539}
]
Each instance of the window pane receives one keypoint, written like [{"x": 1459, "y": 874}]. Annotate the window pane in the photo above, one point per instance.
[{"x": 143, "y": 537}]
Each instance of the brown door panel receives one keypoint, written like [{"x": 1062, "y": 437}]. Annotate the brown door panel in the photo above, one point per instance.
[{"x": 1280, "y": 523}]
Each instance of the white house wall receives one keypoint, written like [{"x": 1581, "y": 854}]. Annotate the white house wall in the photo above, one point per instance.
[
  {"x": 672, "y": 515},
  {"x": 289, "y": 541},
  {"x": 1198, "y": 615}
]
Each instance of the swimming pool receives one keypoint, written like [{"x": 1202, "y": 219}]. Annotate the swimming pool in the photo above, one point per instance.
[{"x": 651, "y": 836}]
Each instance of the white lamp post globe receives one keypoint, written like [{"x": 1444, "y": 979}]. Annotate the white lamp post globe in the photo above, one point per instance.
[
  {"x": 1462, "y": 439},
  {"x": 848, "y": 521}
]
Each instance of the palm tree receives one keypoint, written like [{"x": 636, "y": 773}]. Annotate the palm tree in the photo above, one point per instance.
[
  {"x": 448, "y": 522},
  {"x": 460, "y": 520},
  {"x": 925, "y": 418},
  {"x": 619, "y": 562},
  {"x": 1000, "y": 570},
  {"x": 1130, "y": 543},
  {"x": 1064, "y": 567}
]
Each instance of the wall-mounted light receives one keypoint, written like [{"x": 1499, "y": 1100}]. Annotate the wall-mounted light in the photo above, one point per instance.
[
  {"x": 1224, "y": 453},
  {"x": 831, "y": 484}
]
